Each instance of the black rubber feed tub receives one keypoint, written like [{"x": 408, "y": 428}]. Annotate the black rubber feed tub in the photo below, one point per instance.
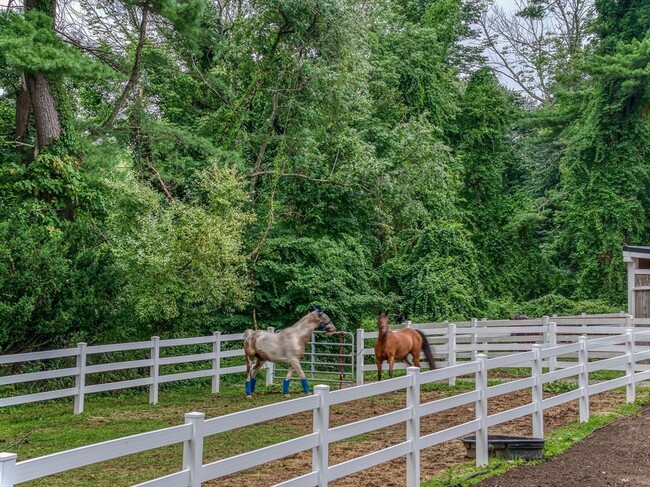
[{"x": 508, "y": 446}]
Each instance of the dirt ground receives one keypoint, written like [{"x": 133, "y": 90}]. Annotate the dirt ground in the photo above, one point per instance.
[
  {"x": 434, "y": 460},
  {"x": 615, "y": 454}
]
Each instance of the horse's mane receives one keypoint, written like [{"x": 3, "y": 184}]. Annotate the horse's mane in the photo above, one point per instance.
[{"x": 299, "y": 322}]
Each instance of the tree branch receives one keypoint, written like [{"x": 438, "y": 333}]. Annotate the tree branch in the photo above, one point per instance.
[
  {"x": 135, "y": 73},
  {"x": 163, "y": 186},
  {"x": 262, "y": 151}
]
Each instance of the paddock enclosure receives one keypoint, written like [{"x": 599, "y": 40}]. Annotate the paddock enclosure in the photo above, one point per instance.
[{"x": 550, "y": 351}]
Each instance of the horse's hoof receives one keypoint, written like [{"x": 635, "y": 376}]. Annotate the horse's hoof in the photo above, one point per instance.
[
  {"x": 307, "y": 393},
  {"x": 248, "y": 396},
  {"x": 287, "y": 395}
]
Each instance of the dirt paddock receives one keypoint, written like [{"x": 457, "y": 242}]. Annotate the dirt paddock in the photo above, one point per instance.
[
  {"x": 615, "y": 454},
  {"x": 434, "y": 460}
]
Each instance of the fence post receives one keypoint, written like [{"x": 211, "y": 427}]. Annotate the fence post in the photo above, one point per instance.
[
  {"x": 80, "y": 381},
  {"x": 583, "y": 379},
  {"x": 320, "y": 453},
  {"x": 451, "y": 345},
  {"x": 538, "y": 392},
  {"x": 552, "y": 342},
  {"x": 270, "y": 366},
  {"x": 7, "y": 469},
  {"x": 482, "y": 412},
  {"x": 312, "y": 361},
  {"x": 193, "y": 449},
  {"x": 409, "y": 324},
  {"x": 630, "y": 349},
  {"x": 485, "y": 338},
  {"x": 154, "y": 371},
  {"x": 472, "y": 339},
  {"x": 216, "y": 361},
  {"x": 360, "y": 355},
  {"x": 629, "y": 321},
  {"x": 413, "y": 428}
]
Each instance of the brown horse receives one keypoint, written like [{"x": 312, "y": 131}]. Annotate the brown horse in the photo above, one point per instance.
[
  {"x": 398, "y": 344},
  {"x": 287, "y": 346}
]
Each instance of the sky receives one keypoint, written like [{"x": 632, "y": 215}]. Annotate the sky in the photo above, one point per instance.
[{"x": 506, "y": 5}]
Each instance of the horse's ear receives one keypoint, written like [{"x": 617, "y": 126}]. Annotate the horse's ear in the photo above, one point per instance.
[{"x": 317, "y": 308}]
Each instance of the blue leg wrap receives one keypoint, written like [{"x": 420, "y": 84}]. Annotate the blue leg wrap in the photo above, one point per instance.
[
  {"x": 305, "y": 386},
  {"x": 285, "y": 386},
  {"x": 249, "y": 390},
  {"x": 253, "y": 382}
]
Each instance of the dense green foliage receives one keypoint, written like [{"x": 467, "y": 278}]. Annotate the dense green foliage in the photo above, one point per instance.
[{"x": 218, "y": 161}]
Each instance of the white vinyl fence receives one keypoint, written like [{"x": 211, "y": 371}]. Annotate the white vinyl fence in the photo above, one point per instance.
[
  {"x": 459, "y": 342},
  {"x": 192, "y": 471},
  {"x": 330, "y": 360},
  {"x": 452, "y": 343},
  {"x": 211, "y": 363}
]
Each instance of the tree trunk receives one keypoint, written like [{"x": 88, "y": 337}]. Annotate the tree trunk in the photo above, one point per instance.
[
  {"x": 46, "y": 115},
  {"x": 35, "y": 96},
  {"x": 23, "y": 110}
]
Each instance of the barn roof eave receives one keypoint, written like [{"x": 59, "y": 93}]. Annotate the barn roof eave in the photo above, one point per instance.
[{"x": 635, "y": 251}]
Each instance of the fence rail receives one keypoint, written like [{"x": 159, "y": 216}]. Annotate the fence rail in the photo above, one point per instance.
[
  {"x": 462, "y": 341},
  {"x": 193, "y": 471},
  {"x": 152, "y": 378},
  {"x": 453, "y": 343}
]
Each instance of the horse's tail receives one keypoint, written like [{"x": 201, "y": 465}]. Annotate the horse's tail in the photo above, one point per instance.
[
  {"x": 427, "y": 350},
  {"x": 248, "y": 334}
]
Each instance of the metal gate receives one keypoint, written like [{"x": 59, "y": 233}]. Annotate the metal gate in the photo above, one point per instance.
[{"x": 329, "y": 358}]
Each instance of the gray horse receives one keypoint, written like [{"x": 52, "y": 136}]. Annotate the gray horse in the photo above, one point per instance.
[{"x": 287, "y": 346}]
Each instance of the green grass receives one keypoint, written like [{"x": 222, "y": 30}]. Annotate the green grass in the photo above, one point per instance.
[{"x": 468, "y": 474}]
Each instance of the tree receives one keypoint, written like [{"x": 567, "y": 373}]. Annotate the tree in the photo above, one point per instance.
[
  {"x": 538, "y": 43},
  {"x": 492, "y": 202},
  {"x": 604, "y": 170}
]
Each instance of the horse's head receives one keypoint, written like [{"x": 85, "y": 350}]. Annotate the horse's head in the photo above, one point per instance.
[
  {"x": 324, "y": 321},
  {"x": 382, "y": 324}
]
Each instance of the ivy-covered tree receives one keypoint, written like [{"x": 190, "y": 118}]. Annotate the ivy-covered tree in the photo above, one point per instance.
[
  {"x": 497, "y": 207},
  {"x": 604, "y": 170}
]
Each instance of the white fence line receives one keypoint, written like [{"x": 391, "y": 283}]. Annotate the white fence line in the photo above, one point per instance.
[
  {"x": 193, "y": 472},
  {"x": 463, "y": 340},
  {"x": 456, "y": 342},
  {"x": 83, "y": 369}
]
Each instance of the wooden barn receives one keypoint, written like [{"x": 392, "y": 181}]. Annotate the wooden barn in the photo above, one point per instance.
[{"x": 638, "y": 280}]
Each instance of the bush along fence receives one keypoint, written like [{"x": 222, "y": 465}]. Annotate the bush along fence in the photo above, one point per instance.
[
  {"x": 192, "y": 471},
  {"x": 339, "y": 359}
]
